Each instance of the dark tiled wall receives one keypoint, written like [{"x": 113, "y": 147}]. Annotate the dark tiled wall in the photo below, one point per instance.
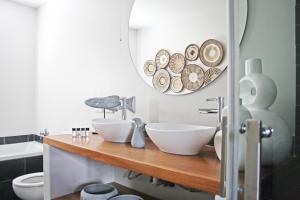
[
  {"x": 20, "y": 138},
  {"x": 11, "y": 169}
]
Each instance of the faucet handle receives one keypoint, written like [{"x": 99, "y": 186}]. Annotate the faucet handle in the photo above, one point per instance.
[
  {"x": 215, "y": 99},
  {"x": 212, "y": 99},
  {"x": 220, "y": 101}
]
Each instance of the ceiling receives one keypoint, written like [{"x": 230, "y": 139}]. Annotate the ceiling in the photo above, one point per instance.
[
  {"x": 149, "y": 12},
  {"x": 30, "y": 3}
]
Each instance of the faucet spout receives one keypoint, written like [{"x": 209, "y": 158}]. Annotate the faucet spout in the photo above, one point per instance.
[
  {"x": 218, "y": 110},
  {"x": 208, "y": 111},
  {"x": 127, "y": 103},
  {"x": 124, "y": 108}
]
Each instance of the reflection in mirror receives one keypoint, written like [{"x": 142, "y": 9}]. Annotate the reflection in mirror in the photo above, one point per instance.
[{"x": 179, "y": 46}]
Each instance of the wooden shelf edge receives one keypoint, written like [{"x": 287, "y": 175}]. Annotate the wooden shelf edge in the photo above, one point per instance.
[{"x": 203, "y": 183}]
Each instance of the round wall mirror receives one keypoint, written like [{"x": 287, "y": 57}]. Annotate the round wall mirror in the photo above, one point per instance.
[{"x": 179, "y": 46}]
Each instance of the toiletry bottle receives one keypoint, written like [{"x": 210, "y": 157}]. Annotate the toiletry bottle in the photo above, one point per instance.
[
  {"x": 78, "y": 132},
  {"x": 73, "y": 132},
  {"x": 82, "y": 133},
  {"x": 138, "y": 137},
  {"x": 87, "y": 130}
]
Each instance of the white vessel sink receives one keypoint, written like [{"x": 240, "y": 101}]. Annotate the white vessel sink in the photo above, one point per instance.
[
  {"x": 114, "y": 130},
  {"x": 179, "y": 139}
]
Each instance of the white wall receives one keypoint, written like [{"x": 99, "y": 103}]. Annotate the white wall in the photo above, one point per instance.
[
  {"x": 81, "y": 56},
  {"x": 270, "y": 35},
  {"x": 17, "y": 68}
]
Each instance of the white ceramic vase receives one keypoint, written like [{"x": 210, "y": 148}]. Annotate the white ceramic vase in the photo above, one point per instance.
[{"x": 258, "y": 92}]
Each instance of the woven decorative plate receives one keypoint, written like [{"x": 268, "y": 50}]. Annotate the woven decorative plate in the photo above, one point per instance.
[
  {"x": 176, "y": 84},
  {"x": 149, "y": 68},
  {"x": 211, "y": 74},
  {"x": 161, "y": 80},
  {"x": 192, "y": 52},
  {"x": 192, "y": 77},
  {"x": 162, "y": 59},
  {"x": 177, "y": 63},
  {"x": 211, "y": 53}
]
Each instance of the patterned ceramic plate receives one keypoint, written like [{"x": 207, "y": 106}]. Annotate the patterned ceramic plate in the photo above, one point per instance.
[
  {"x": 211, "y": 74},
  {"x": 176, "y": 84},
  {"x": 177, "y": 63},
  {"x": 211, "y": 53},
  {"x": 192, "y": 52},
  {"x": 161, "y": 80},
  {"x": 162, "y": 58},
  {"x": 149, "y": 68},
  {"x": 192, "y": 77}
]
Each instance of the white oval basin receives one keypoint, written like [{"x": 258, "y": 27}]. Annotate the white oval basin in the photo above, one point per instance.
[
  {"x": 179, "y": 139},
  {"x": 114, "y": 130}
]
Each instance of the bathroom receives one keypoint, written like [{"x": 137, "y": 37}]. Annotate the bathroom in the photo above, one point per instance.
[{"x": 56, "y": 54}]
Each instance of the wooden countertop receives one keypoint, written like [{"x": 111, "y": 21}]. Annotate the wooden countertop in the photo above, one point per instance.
[{"x": 200, "y": 172}]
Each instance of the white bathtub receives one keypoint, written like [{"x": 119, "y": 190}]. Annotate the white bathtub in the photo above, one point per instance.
[{"x": 20, "y": 150}]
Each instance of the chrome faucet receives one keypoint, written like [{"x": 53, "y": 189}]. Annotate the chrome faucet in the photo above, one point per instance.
[
  {"x": 45, "y": 133},
  {"x": 126, "y": 104},
  {"x": 220, "y": 101},
  {"x": 123, "y": 108}
]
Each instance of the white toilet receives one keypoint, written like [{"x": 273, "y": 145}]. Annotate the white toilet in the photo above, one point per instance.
[{"x": 29, "y": 186}]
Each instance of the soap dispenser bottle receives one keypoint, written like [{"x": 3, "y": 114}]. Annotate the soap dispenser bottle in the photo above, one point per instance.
[{"x": 138, "y": 137}]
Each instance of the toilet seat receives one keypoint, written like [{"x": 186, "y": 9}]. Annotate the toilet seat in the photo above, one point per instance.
[
  {"x": 29, "y": 186},
  {"x": 30, "y": 180}
]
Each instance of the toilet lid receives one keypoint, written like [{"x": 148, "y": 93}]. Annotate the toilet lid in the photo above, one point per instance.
[{"x": 30, "y": 180}]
